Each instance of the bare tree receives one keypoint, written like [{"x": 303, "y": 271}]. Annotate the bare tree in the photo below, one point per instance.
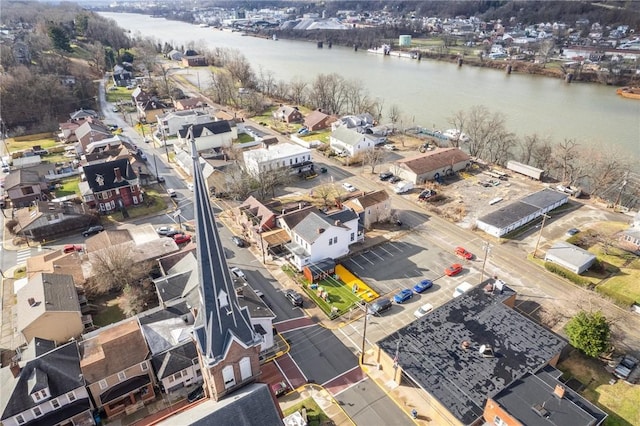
[
  {"x": 222, "y": 88},
  {"x": 298, "y": 90},
  {"x": 483, "y": 128},
  {"x": 239, "y": 183},
  {"x": 500, "y": 146},
  {"x": 394, "y": 113},
  {"x": 240, "y": 69},
  {"x": 528, "y": 146},
  {"x": 137, "y": 298},
  {"x": 545, "y": 50},
  {"x": 325, "y": 191},
  {"x": 459, "y": 121},
  {"x": 112, "y": 269},
  {"x": 327, "y": 92},
  {"x": 266, "y": 82},
  {"x": 543, "y": 155},
  {"x": 565, "y": 154},
  {"x": 373, "y": 157},
  {"x": 266, "y": 181}
]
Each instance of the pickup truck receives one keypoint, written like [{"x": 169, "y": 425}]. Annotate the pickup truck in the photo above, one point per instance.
[{"x": 625, "y": 367}]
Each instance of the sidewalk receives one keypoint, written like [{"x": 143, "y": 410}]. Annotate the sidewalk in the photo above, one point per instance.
[{"x": 324, "y": 400}]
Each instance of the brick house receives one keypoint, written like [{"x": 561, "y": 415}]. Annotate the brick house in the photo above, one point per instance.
[
  {"x": 318, "y": 120},
  {"x": 111, "y": 185},
  {"x": 288, "y": 114}
]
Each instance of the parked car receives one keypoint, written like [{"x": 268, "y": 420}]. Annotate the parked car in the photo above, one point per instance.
[
  {"x": 71, "y": 248},
  {"x": 167, "y": 231},
  {"x": 172, "y": 192},
  {"x": 161, "y": 180},
  {"x": 294, "y": 297},
  {"x": 196, "y": 394},
  {"x": 390, "y": 147},
  {"x": 460, "y": 251},
  {"x": 426, "y": 194},
  {"x": 462, "y": 289},
  {"x": 238, "y": 272},
  {"x": 403, "y": 295},
  {"x": 625, "y": 367},
  {"x": 323, "y": 170},
  {"x": 452, "y": 270},
  {"x": 181, "y": 238},
  {"x": 379, "y": 306},
  {"x": 423, "y": 310},
  {"x": 385, "y": 176},
  {"x": 190, "y": 186},
  {"x": 394, "y": 179},
  {"x": 280, "y": 388},
  {"x": 92, "y": 230},
  {"x": 238, "y": 241},
  {"x": 573, "y": 231},
  {"x": 423, "y": 285},
  {"x": 349, "y": 187}
]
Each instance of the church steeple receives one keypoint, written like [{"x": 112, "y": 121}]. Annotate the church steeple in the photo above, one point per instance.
[{"x": 223, "y": 331}]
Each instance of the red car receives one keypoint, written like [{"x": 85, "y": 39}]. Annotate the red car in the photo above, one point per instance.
[
  {"x": 70, "y": 248},
  {"x": 279, "y": 388},
  {"x": 452, "y": 270},
  {"x": 181, "y": 238},
  {"x": 460, "y": 251}
]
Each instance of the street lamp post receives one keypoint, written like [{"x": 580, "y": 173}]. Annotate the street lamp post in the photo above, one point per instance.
[
  {"x": 364, "y": 332},
  {"x": 544, "y": 218},
  {"x": 487, "y": 249}
]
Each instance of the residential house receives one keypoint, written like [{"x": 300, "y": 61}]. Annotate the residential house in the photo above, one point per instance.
[
  {"x": 46, "y": 219},
  {"x": 111, "y": 185},
  {"x": 45, "y": 386},
  {"x": 208, "y": 136},
  {"x": 171, "y": 122},
  {"x": 114, "y": 362},
  {"x": 48, "y": 308},
  {"x": 148, "y": 110},
  {"x": 570, "y": 257},
  {"x": 91, "y": 131},
  {"x": 359, "y": 122},
  {"x": 349, "y": 142},
  {"x": 139, "y": 96},
  {"x": 255, "y": 215},
  {"x": 630, "y": 238},
  {"x": 194, "y": 60},
  {"x": 24, "y": 186},
  {"x": 372, "y": 207},
  {"x": 174, "y": 55},
  {"x": 174, "y": 359},
  {"x": 122, "y": 77},
  {"x": 107, "y": 144},
  {"x": 83, "y": 114},
  {"x": 432, "y": 165},
  {"x": 68, "y": 131},
  {"x": 58, "y": 262},
  {"x": 273, "y": 157},
  {"x": 190, "y": 103},
  {"x": 288, "y": 114},
  {"x": 320, "y": 236},
  {"x": 484, "y": 348},
  {"x": 509, "y": 217},
  {"x": 318, "y": 120}
]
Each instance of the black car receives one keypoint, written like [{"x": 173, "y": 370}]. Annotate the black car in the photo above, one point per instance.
[
  {"x": 238, "y": 241},
  {"x": 93, "y": 230},
  {"x": 394, "y": 179},
  {"x": 379, "y": 306},
  {"x": 294, "y": 297},
  {"x": 196, "y": 394},
  {"x": 385, "y": 175},
  {"x": 426, "y": 194}
]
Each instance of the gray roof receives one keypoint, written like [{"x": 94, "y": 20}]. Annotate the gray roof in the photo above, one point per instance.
[
  {"x": 344, "y": 216},
  {"x": 167, "y": 327},
  {"x": 172, "y": 287},
  {"x": 310, "y": 227},
  {"x": 349, "y": 136},
  {"x": 293, "y": 218},
  {"x": 220, "y": 318},
  {"x": 215, "y": 127},
  {"x": 252, "y": 405},
  {"x": 60, "y": 368},
  {"x": 50, "y": 293},
  {"x": 569, "y": 253},
  {"x": 462, "y": 379},
  {"x": 511, "y": 213},
  {"x": 175, "y": 359},
  {"x": 537, "y": 389},
  {"x": 21, "y": 177}
]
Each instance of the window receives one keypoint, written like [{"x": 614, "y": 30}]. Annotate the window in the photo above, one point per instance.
[
  {"x": 353, "y": 236},
  {"x": 54, "y": 403},
  {"x": 19, "y": 419},
  {"x": 102, "y": 384},
  {"x": 122, "y": 376},
  {"x": 335, "y": 240},
  {"x": 37, "y": 411},
  {"x": 330, "y": 241},
  {"x": 228, "y": 376},
  {"x": 71, "y": 396},
  {"x": 144, "y": 366},
  {"x": 497, "y": 421}
]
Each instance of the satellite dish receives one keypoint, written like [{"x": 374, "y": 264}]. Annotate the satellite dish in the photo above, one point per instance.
[{"x": 482, "y": 348}]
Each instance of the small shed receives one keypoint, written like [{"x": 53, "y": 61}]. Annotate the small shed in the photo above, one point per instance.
[
  {"x": 320, "y": 270},
  {"x": 571, "y": 257}
]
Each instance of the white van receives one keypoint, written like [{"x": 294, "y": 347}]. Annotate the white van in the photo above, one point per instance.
[{"x": 461, "y": 289}]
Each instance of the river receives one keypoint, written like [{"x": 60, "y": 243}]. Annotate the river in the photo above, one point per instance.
[{"x": 429, "y": 92}]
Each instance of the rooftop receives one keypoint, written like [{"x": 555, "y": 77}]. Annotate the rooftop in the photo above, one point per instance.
[{"x": 432, "y": 352}]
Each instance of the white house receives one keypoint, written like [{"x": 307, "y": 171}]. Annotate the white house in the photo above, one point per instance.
[
  {"x": 273, "y": 157},
  {"x": 208, "y": 136},
  {"x": 320, "y": 236},
  {"x": 570, "y": 257},
  {"x": 372, "y": 208},
  {"x": 172, "y": 122},
  {"x": 350, "y": 142}
]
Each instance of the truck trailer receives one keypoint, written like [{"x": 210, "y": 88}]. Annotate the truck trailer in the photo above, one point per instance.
[{"x": 526, "y": 170}]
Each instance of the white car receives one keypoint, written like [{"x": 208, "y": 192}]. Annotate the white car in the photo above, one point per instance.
[
  {"x": 190, "y": 186},
  {"x": 172, "y": 192},
  {"x": 349, "y": 187},
  {"x": 423, "y": 310},
  {"x": 238, "y": 272}
]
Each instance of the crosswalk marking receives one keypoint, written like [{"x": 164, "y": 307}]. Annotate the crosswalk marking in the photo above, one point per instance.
[{"x": 23, "y": 255}]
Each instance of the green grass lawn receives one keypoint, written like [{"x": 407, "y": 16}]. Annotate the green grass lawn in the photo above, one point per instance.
[
  {"x": 108, "y": 314},
  {"x": 315, "y": 415},
  {"x": 619, "y": 400},
  {"x": 322, "y": 136},
  {"x": 340, "y": 296},
  {"x": 44, "y": 140},
  {"x": 244, "y": 138},
  {"x": 119, "y": 94},
  {"x": 153, "y": 203},
  {"x": 69, "y": 187}
]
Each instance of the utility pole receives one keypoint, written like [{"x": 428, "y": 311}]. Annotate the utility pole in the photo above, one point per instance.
[
  {"x": 544, "y": 217},
  {"x": 487, "y": 249},
  {"x": 155, "y": 165},
  {"x": 364, "y": 331},
  {"x": 164, "y": 141}
]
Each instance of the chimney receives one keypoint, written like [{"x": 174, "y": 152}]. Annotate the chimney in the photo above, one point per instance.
[
  {"x": 239, "y": 291},
  {"x": 15, "y": 369},
  {"x": 116, "y": 171},
  {"x": 559, "y": 391},
  {"x": 31, "y": 301},
  {"x": 320, "y": 231},
  {"x": 337, "y": 223},
  {"x": 465, "y": 344}
]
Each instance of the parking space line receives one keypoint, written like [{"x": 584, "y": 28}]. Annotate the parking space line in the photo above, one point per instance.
[
  {"x": 395, "y": 243},
  {"x": 365, "y": 258},
  {"x": 386, "y": 251},
  {"x": 356, "y": 263},
  {"x": 377, "y": 255}
]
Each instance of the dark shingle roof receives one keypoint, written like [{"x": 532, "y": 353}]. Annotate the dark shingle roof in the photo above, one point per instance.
[
  {"x": 175, "y": 359},
  {"x": 514, "y": 212},
  {"x": 102, "y": 176},
  {"x": 462, "y": 379},
  {"x": 215, "y": 127},
  {"x": 60, "y": 367}
]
